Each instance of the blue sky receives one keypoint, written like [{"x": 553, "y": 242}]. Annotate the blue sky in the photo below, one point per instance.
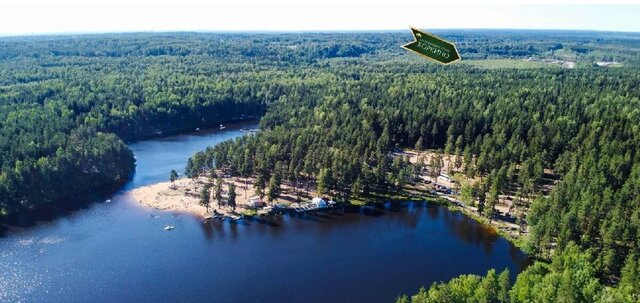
[{"x": 19, "y": 17}]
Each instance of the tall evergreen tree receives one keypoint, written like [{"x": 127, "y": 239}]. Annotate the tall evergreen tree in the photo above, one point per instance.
[
  {"x": 231, "y": 201},
  {"x": 205, "y": 196}
]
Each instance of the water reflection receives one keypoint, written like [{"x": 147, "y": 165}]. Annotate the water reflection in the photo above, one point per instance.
[
  {"x": 407, "y": 215},
  {"x": 354, "y": 254}
]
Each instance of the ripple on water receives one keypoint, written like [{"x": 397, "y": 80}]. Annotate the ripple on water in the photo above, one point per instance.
[
  {"x": 52, "y": 240},
  {"x": 46, "y": 240},
  {"x": 17, "y": 281},
  {"x": 26, "y": 241}
]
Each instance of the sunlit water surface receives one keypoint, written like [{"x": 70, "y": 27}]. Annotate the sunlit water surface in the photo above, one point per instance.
[{"x": 119, "y": 252}]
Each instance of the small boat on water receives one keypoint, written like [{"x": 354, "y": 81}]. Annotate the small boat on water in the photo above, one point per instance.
[
  {"x": 169, "y": 227},
  {"x": 222, "y": 126},
  {"x": 108, "y": 201}
]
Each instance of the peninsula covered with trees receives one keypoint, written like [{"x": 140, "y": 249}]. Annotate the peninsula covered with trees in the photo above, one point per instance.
[{"x": 335, "y": 110}]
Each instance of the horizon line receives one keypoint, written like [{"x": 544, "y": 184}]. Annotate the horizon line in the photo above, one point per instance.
[{"x": 249, "y": 31}]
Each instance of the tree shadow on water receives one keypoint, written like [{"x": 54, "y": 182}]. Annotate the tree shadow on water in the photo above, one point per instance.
[
  {"x": 324, "y": 216},
  {"x": 266, "y": 222},
  {"x": 53, "y": 211}
]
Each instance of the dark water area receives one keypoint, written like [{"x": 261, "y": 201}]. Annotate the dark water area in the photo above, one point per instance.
[{"x": 119, "y": 252}]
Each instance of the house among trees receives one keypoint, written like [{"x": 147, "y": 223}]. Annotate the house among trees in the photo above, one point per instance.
[{"x": 256, "y": 202}]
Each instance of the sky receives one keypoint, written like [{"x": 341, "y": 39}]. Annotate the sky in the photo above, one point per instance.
[{"x": 28, "y": 17}]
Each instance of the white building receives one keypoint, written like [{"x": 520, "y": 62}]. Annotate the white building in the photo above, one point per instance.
[
  {"x": 319, "y": 202},
  {"x": 256, "y": 202}
]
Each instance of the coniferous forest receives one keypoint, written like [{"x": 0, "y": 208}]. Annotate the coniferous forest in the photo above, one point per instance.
[{"x": 333, "y": 107}]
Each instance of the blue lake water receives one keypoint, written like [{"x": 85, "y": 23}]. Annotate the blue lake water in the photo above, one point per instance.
[{"x": 119, "y": 252}]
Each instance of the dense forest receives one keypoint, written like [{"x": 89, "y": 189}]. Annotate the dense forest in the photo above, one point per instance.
[
  {"x": 507, "y": 125},
  {"x": 581, "y": 124},
  {"x": 334, "y": 107}
]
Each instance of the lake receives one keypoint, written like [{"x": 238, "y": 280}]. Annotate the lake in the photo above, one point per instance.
[{"x": 119, "y": 252}]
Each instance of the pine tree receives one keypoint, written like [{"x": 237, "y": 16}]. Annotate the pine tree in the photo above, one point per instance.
[
  {"x": 489, "y": 288},
  {"x": 436, "y": 165},
  {"x": 218, "y": 191},
  {"x": 492, "y": 200},
  {"x": 274, "y": 189},
  {"x": 205, "y": 196},
  {"x": 504, "y": 283},
  {"x": 173, "y": 176},
  {"x": 231, "y": 201},
  {"x": 356, "y": 188},
  {"x": 323, "y": 182},
  {"x": 260, "y": 184},
  {"x": 419, "y": 144}
]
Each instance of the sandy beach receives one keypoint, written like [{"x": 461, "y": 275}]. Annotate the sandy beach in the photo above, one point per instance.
[
  {"x": 163, "y": 197},
  {"x": 184, "y": 196}
]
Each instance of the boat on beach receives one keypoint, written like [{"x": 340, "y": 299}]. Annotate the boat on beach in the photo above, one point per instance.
[{"x": 234, "y": 217}]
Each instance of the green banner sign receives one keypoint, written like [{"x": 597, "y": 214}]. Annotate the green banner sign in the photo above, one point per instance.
[{"x": 433, "y": 47}]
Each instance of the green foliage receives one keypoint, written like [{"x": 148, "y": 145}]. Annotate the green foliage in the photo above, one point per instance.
[
  {"x": 569, "y": 278},
  {"x": 509, "y": 125},
  {"x": 231, "y": 201},
  {"x": 217, "y": 192},
  {"x": 205, "y": 196},
  {"x": 419, "y": 144},
  {"x": 436, "y": 165},
  {"x": 173, "y": 176},
  {"x": 78, "y": 161},
  {"x": 492, "y": 200},
  {"x": 339, "y": 107},
  {"x": 323, "y": 183},
  {"x": 627, "y": 290},
  {"x": 466, "y": 288},
  {"x": 468, "y": 194},
  {"x": 504, "y": 284},
  {"x": 274, "y": 188}
]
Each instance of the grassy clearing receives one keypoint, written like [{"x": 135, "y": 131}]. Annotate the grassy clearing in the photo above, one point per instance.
[{"x": 507, "y": 63}]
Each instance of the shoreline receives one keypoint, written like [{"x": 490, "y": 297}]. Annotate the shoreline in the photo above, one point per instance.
[
  {"x": 184, "y": 196},
  {"x": 210, "y": 127},
  {"x": 159, "y": 196}
]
